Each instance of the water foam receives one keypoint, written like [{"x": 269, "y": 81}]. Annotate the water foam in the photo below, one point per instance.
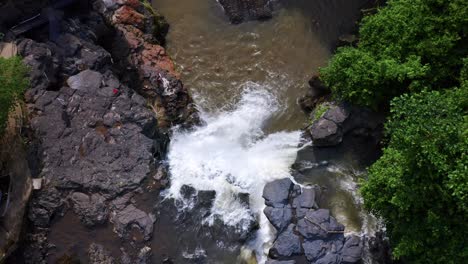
[{"x": 231, "y": 154}]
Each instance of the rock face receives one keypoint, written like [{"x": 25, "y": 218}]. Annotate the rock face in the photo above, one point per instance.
[
  {"x": 311, "y": 232},
  {"x": 135, "y": 48},
  {"x": 240, "y": 10},
  {"x": 341, "y": 119},
  {"x": 99, "y": 118}
]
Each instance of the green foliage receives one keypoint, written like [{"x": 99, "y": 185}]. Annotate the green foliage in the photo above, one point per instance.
[
  {"x": 409, "y": 45},
  {"x": 420, "y": 184},
  {"x": 13, "y": 81},
  {"x": 319, "y": 111}
]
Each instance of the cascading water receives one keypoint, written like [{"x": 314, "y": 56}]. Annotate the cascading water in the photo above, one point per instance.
[{"x": 231, "y": 154}]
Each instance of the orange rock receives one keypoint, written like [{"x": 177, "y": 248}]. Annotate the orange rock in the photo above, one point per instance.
[{"x": 128, "y": 15}]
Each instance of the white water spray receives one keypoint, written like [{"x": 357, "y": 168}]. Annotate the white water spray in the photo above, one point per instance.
[{"x": 231, "y": 155}]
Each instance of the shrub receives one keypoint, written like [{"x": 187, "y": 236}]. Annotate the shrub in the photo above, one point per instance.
[
  {"x": 420, "y": 184},
  {"x": 13, "y": 81},
  {"x": 409, "y": 45}
]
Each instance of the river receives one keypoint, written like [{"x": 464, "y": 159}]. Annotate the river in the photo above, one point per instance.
[{"x": 245, "y": 80}]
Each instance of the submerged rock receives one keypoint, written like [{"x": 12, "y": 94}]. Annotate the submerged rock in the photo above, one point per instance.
[
  {"x": 240, "y": 10},
  {"x": 99, "y": 255}
]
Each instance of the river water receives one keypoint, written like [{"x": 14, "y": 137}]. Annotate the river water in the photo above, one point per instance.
[{"x": 245, "y": 80}]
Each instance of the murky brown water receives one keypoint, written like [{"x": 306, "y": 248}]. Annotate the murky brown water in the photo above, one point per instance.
[{"x": 216, "y": 58}]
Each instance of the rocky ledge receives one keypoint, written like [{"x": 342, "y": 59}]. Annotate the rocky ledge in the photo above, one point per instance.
[
  {"x": 303, "y": 229},
  {"x": 102, "y": 96}
]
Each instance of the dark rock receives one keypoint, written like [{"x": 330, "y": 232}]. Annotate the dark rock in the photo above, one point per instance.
[
  {"x": 240, "y": 10},
  {"x": 99, "y": 255},
  {"x": 44, "y": 206},
  {"x": 352, "y": 250},
  {"x": 318, "y": 87},
  {"x": 280, "y": 218},
  {"x": 325, "y": 133},
  {"x": 306, "y": 199},
  {"x": 92, "y": 209},
  {"x": 323, "y": 251},
  {"x": 276, "y": 193},
  {"x": 272, "y": 261},
  {"x": 329, "y": 258},
  {"x": 319, "y": 224},
  {"x": 144, "y": 256},
  {"x": 287, "y": 244},
  {"x": 130, "y": 217}
]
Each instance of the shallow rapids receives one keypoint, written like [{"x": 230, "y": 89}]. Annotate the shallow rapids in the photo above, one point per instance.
[{"x": 231, "y": 154}]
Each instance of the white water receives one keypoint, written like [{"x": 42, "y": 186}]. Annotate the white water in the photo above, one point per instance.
[{"x": 231, "y": 154}]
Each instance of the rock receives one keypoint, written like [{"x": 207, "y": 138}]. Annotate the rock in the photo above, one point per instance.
[
  {"x": 280, "y": 218},
  {"x": 128, "y": 15},
  {"x": 321, "y": 251},
  {"x": 276, "y": 193},
  {"x": 240, "y": 10},
  {"x": 306, "y": 199},
  {"x": 319, "y": 224},
  {"x": 44, "y": 205},
  {"x": 325, "y": 133},
  {"x": 337, "y": 114},
  {"x": 144, "y": 256},
  {"x": 286, "y": 245},
  {"x": 98, "y": 255},
  {"x": 318, "y": 88},
  {"x": 272, "y": 261},
  {"x": 352, "y": 250},
  {"x": 86, "y": 80},
  {"x": 130, "y": 217},
  {"x": 92, "y": 209}
]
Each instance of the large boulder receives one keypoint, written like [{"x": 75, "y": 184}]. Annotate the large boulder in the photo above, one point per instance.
[
  {"x": 278, "y": 217},
  {"x": 240, "y": 10},
  {"x": 287, "y": 244},
  {"x": 325, "y": 132},
  {"x": 276, "y": 193},
  {"x": 319, "y": 224}
]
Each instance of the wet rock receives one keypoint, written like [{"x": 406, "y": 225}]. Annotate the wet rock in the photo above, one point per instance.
[
  {"x": 128, "y": 15},
  {"x": 144, "y": 256},
  {"x": 280, "y": 218},
  {"x": 323, "y": 251},
  {"x": 99, "y": 255},
  {"x": 276, "y": 193},
  {"x": 44, "y": 205},
  {"x": 325, "y": 133},
  {"x": 287, "y": 244},
  {"x": 240, "y": 10},
  {"x": 319, "y": 224},
  {"x": 352, "y": 250},
  {"x": 129, "y": 217},
  {"x": 306, "y": 199},
  {"x": 314, "y": 95},
  {"x": 272, "y": 261},
  {"x": 91, "y": 209}
]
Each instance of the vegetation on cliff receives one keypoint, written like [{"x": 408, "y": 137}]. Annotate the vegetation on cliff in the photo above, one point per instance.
[
  {"x": 409, "y": 46},
  {"x": 412, "y": 60},
  {"x": 13, "y": 81}
]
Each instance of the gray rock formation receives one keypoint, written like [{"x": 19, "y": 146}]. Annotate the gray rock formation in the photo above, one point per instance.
[
  {"x": 241, "y": 10},
  {"x": 311, "y": 232}
]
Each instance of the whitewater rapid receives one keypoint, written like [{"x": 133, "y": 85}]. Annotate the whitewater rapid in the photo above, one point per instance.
[{"x": 231, "y": 154}]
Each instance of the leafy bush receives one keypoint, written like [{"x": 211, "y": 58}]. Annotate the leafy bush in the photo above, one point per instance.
[
  {"x": 420, "y": 184},
  {"x": 13, "y": 81},
  {"x": 409, "y": 45}
]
